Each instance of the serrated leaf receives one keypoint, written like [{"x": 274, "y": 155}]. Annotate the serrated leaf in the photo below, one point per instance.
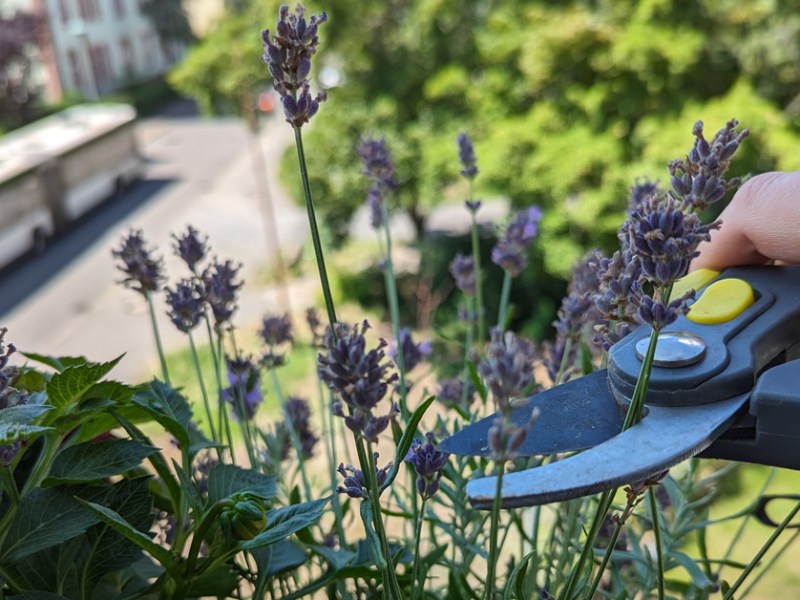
[
  {"x": 120, "y": 525},
  {"x": 283, "y": 522},
  {"x": 44, "y": 518},
  {"x": 108, "y": 551},
  {"x": 69, "y": 385},
  {"x": 225, "y": 480},
  {"x": 405, "y": 441},
  {"x": 30, "y": 381},
  {"x": 20, "y": 421},
  {"x": 278, "y": 558},
  {"x": 91, "y": 461},
  {"x": 164, "y": 404},
  {"x": 59, "y": 363}
]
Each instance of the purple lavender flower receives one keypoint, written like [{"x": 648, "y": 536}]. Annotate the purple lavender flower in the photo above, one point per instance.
[
  {"x": 428, "y": 461},
  {"x": 466, "y": 154},
  {"x": 641, "y": 190},
  {"x": 191, "y": 247},
  {"x": 462, "y": 268},
  {"x": 618, "y": 298},
  {"x": 276, "y": 330},
  {"x": 413, "y": 353},
  {"x": 379, "y": 168},
  {"x": 244, "y": 393},
  {"x": 577, "y": 313},
  {"x": 360, "y": 377},
  {"x": 143, "y": 272},
  {"x": 451, "y": 392},
  {"x": 6, "y": 372},
  {"x": 288, "y": 55},
  {"x": 186, "y": 304},
  {"x": 354, "y": 484},
  {"x": 315, "y": 326},
  {"x": 220, "y": 288},
  {"x": 507, "y": 367},
  {"x": 300, "y": 414},
  {"x": 698, "y": 181},
  {"x": 510, "y": 252}
]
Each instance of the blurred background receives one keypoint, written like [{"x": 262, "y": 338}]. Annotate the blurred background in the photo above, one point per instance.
[{"x": 568, "y": 105}]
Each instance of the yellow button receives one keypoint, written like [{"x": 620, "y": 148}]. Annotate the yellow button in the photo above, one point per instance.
[
  {"x": 696, "y": 280},
  {"x": 721, "y": 302}
]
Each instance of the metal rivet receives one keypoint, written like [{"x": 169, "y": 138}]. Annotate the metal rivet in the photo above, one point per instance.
[{"x": 674, "y": 349}]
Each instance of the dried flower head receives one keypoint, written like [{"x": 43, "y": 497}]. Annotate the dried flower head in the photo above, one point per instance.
[
  {"x": 456, "y": 392},
  {"x": 428, "y": 461},
  {"x": 186, "y": 304},
  {"x": 466, "y": 154},
  {"x": 507, "y": 367},
  {"x": 576, "y": 314},
  {"x": 462, "y": 268},
  {"x": 288, "y": 55},
  {"x": 299, "y": 414},
  {"x": 360, "y": 377},
  {"x": 191, "y": 247},
  {"x": 244, "y": 392},
  {"x": 315, "y": 326},
  {"x": 354, "y": 484},
  {"x": 379, "y": 168},
  {"x": 220, "y": 288},
  {"x": 413, "y": 353},
  {"x": 6, "y": 372},
  {"x": 640, "y": 190},
  {"x": 698, "y": 181},
  {"x": 143, "y": 272},
  {"x": 510, "y": 252}
]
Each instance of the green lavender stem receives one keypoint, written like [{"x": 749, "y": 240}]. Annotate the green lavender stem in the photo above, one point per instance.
[
  {"x": 493, "y": 530},
  {"x": 761, "y": 552},
  {"x": 504, "y": 295},
  {"x": 315, "y": 236},
  {"x": 161, "y": 356},
  {"x": 476, "y": 265},
  {"x": 203, "y": 392},
  {"x": 417, "y": 586},
  {"x": 651, "y": 496}
]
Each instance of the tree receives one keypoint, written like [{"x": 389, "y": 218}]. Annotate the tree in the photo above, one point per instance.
[
  {"x": 169, "y": 20},
  {"x": 18, "y": 41}
]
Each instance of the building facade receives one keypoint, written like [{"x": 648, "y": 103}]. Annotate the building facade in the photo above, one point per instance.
[{"x": 92, "y": 47}]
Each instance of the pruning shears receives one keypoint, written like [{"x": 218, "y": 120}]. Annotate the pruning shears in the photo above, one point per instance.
[{"x": 725, "y": 384}]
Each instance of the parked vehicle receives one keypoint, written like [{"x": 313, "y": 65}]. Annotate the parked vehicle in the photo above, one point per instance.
[{"x": 55, "y": 170}]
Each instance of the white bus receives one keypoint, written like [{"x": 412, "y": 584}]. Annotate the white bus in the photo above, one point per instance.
[{"x": 55, "y": 170}]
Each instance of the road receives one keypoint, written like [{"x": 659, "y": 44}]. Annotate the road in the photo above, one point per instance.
[{"x": 68, "y": 302}]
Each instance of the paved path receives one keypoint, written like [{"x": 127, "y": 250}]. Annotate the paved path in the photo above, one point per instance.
[{"x": 199, "y": 173}]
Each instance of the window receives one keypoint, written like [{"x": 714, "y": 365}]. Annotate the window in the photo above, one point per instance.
[
  {"x": 75, "y": 67},
  {"x": 89, "y": 9},
  {"x": 100, "y": 65},
  {"x": 119, "y": 8},
  {"x": 63, "y": 9},
  {"x": 126, "y": 49}
]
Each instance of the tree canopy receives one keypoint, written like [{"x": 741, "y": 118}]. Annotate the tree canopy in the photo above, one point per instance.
[{"x": 567, "y": 103}]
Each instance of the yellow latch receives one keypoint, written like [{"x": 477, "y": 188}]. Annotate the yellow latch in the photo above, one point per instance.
[{"x": 721, "y": 301}]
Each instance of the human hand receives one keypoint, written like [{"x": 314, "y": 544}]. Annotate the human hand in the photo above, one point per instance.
[{"x": 761, "y": 225}]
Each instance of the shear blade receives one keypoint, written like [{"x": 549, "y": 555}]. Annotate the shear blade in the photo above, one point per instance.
[
  {"x": 665, "y": 437},
  {"x": 575, "y": 415}
]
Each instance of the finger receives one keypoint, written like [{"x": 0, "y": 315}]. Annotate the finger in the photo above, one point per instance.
[{"x": 761, "y": 224}]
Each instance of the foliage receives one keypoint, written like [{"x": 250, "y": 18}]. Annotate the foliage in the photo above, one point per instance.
[
  {"x": 19, "y": 37},
  {"x": 168, "y": 19}
]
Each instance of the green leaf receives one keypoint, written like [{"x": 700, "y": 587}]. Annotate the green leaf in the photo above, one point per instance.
[
  {"x": 44, "y": 518},
  {"x": 278, "y": 558},
  {"x": 168, "y": 407},
  {"x": 189, "y": 489},
  {"x": 120, "y": 525},
  {"x": 476, "y": 380},
  {"x": 515, "y": 584},
  {"x": 219, "y": 582},
  {"x": 58, "y": 363},
  {"x": 405, "y": 441},
  {"x": 91, "y": 461},
  {"x": 107, "y": 550},
  {"x": 38, "y": 595},
  {"x": 225, "y": 480},
  {"x": 368, "y": 517},
  {"x": 19, "y": 421},
  {"x": 699, "y": 578},
  {"x": 69, "y": 385},
  {"x": 282, "y": 522}
]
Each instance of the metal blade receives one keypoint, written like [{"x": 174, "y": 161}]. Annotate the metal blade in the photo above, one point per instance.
[
  {"x": 665, "y": 437},
  {"x": 575, "y": 415}
]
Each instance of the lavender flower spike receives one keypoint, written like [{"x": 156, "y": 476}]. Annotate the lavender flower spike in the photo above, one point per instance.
[
  {"x": 462, "y": 268},
  {"x": 510, "y": 252},
  {"x": 143, "y": 272},
  {"x": 428, "y": 461},
  {"x": 220, "y": 288},
  {"x": 244, "y": 393},
  {"x": 288, "y": 55},
  {"x": 466, "y": 154},
  {"x": 413, "y": 353},
  {"x": 191, "y": 247},
  {"x": 186, "y": 305}
]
